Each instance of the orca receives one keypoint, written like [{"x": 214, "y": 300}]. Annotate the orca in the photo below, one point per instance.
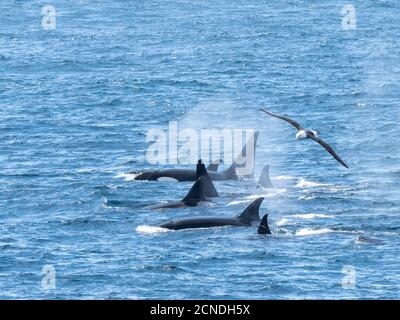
[
  {"x": 201, "y": 190},
  {"x": 249, "y": 217},
  {"x": 264, "y": 181},
  {"x": 190, "y": 175},
  {"x": 186, "y": 174},
  {"x": 263, "y": 228}
]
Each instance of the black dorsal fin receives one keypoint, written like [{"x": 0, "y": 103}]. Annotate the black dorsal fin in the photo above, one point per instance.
[
  {"x": 250, "y": 214},
  {"x": 207, "y": 187},
  {"x": 263, "y": 227},
  {"x": 195, "y": 193},
  {"x": 264, "y": 180},
  {"x": 200, "y": 169},
  {"x": 202, "y": 188}
]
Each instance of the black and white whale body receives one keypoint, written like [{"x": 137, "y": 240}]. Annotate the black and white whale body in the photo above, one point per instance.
[
  {"x": 201, "y": 190},
  {"x": 249, "y": 217},
  {"x": 186, "y": 174},
  {"x": 190, "y": 175}
]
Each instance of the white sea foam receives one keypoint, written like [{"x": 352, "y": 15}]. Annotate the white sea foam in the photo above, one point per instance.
[
  {"x": 232, "y": 203},
  {"x": 254, "y": 196},
  {"x": 307, "y": 197},
  {"x": 284, "y": 178},
  {"x": 127, "y": 176},
  {"x": 282, "y": 222},
  {"x": 311, "y": 215},
  {"x": 303, "y": 183},
  {"x": 310, "y": 232},
  {"x": 289, "y": 219},
  {"x": 150, "y": 229}
]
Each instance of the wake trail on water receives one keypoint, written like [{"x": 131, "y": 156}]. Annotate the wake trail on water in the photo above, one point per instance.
[
  {"x": 145, "y": 229},
  {"x": 127, "y": 176}
]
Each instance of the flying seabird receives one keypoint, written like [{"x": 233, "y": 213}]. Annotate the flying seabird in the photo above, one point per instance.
[{"x": 305, "y": 133}]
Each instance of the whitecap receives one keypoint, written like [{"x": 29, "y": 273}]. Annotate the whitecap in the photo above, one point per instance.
[
  {"x": 127, "y": 176},
  {"x": 150, "y": 229},
  {"x": 235, "y": 202},
  {"x": 284, "y": 178},
  {"x": 282, "y": 222},
  {"x": 311, "y": 215},
  {"x": 303, "y": 183}
]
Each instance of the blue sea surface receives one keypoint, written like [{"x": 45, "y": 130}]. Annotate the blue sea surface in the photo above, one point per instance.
[{"x": 76, "y": 104}]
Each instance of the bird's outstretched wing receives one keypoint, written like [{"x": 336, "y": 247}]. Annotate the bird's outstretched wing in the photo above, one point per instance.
[
  {"x": 292, "y": 122},
  {"x": 327, "y": 147}
]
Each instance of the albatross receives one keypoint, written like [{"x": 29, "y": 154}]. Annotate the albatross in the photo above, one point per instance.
[{"x": 303, "y": 133}]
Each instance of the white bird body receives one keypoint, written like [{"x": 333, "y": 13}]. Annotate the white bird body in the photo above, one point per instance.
[{"x": 303, "y": 134}]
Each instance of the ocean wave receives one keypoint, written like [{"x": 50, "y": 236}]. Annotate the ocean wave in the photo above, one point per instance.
[
  {"x": 289, "y": 219},
  {"x": 311, "y": 232},
  {"x": 303, "y": 183},
  {"x": 311, "y": 215},
  {"x": 282, "y": 222},
  {"x": 284, "y": 178},
  {"x": 127, "y": 176},
  {"x": 145, "y": 229},
  {"x": 307, "y": 197}
]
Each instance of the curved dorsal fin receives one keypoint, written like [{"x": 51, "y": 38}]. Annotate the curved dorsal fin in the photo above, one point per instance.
[
  {"x": 202, "y": 188},
  {"x": 264, "y": 180},
  {"x": 207, "y": 187},
  {"x": 251, "y": 214},
  {"x": 200, "y": 169},
  {"x": 196, "y": 193},
  {"x": 263, "y": 227}
]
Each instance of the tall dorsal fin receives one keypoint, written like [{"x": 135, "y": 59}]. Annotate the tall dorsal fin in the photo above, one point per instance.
[
  {"x": 251, "y": 214},
  {"x": 195, "y": 193},
  {"x": 202, "y": 188},
  {"x": 208, "y": 189},
  {"x": 264, "y": 180},
  {"x": 263, "y": 227},
  {"x": 200, "y": 169}
]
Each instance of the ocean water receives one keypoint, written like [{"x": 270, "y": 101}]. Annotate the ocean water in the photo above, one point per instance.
[{"x": 77, "y": 101}]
